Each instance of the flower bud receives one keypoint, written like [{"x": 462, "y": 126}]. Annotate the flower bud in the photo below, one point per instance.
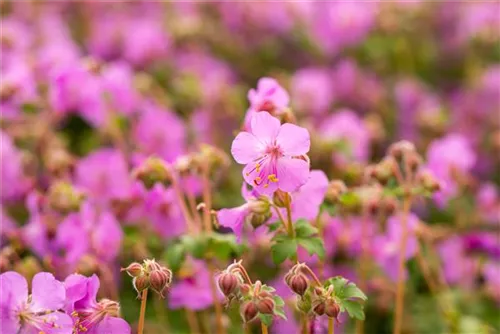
[
  {"x": 332, "y": 309},
  {"x": 265, "y": 306},
  {"x": 110, "y": 307},
  {"x": 334, "y": 190},
  {"x": 319, "y": 307},
  {"x": 428, "y": 181},
  {"x": 159, "y": 280},
  {"x": 260, "y": 205},
  {"x": 228, "y": 283},
  {"x": 151, "y": 265},
  {"x": 384, "y": 170},
  {"x": 64, "y": 198},
  {"x": 249, "y": 311},
  {"x": 153, "y": 170},
  {"x": 258, "y": 219},
  {"x": 134, "y": 269},
  {"x": 140, "y": 283},
  {"x": 244, "y": 289},
  {"x": 298, "y": 284},
  {"x": 397, "y": 150},
  {"x": 281, "y": 198}
]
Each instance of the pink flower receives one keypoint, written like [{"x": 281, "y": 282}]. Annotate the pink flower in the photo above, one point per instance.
[
  {"x": 37, "y": 313},
  {"x": 272, "y": 154},
  {"x": 269, "y": 96},
  {"x": 91, "y": 316},
  {"x": 306, "y": 201}
]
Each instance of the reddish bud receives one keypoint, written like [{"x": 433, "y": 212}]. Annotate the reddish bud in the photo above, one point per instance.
[
  {"x": 134, "y": 269},
  {"x": 319, "y": 307},
  {"x": 332, "y": 309},
  {"x": 249, "y": 311},
  {"x": 281, "y": 198},
  {"x": 397, "y": 150},
  {"x": 228, "y": 283},
  {"x": 299, "y": 284},
  {"x": 159, "y": 280},
  {"x": 265, "y": 306},
  {"x": 141, "y": 283},
  {"x": 244, "y": 289}
]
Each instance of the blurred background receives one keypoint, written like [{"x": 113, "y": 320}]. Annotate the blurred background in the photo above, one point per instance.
[{"x": 89, "y": 89}]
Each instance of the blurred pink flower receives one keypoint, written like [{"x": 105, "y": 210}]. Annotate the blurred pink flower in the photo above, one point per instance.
[{"x": 312, "y": 90}]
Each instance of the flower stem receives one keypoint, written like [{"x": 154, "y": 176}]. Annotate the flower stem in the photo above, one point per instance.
[
  {"x": 264, "y": 328},
  {"x": 182, "y": 204},
  {"x": 142, "y": 314},
  {"x": 217, "y": 304},
  {"x": 400, "y": 288},
  {"x": 291, "y": 231},
  {"x": 331, "y": 326},
  {"x": 192, "y": 321},
  {"x": 207, "y": 199},
  {"x": 311, "y": 273}
]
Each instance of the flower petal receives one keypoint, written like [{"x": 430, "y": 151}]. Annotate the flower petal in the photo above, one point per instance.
[
  {"x": 52, "y": 323},
  {"x": 234, "y": 219},
  {"x": 13, "y": 290},
  {"x": 47, "y": 293},
  {"x": 292, "y": 173},
  {"x": 293, "y": 139},
  {"x": 246, "y": 148},
  {"x": 112, "y": 325},
  {"x": 76, "y": 289},
  {"x": 265, "y": 127},
  {"x": 308, "y": 198},
  {"x": 90, "y": 297}
]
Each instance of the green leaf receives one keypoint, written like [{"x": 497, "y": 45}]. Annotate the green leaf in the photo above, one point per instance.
[
  {"x": 174, "y": 256},
  {"x": 283, "y": 249},
  {"x": 304, "y": 229},
  {"x": 196, "y": 246},
  {"x": 330, "y": 208},
  {"x": 313, "y": 246},
  {"x": 222, "y": 246},
  {"x": 354, "y": 309},
  {"x": 278, "y": 301},
  {"x": 267, "y": 319},
  {"x": 352, "y": 291}
]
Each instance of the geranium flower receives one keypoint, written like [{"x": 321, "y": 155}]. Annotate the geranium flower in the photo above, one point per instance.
[
  {"x": 273, "y": 154},
  {"x": 90, "y": 316},
  {"x": 37, "y": 313}
]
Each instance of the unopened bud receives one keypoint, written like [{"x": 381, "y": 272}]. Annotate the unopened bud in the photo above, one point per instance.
[
  {"x": 244, "y": 289},
  {"x": 228, "y": 283},
  {"x": 153, "y": 170},
  {"x": 265, "y": 306},
  {"x": 159, "y": 280},
  {"x": 151, "y": 265},
  {"x": 428, "y": 181},
  {"x": 335, "y": 189},
  {"x": 319, "y": 307},
  {"x": 399, "y": 149},
  {"x": 141, "y": 283},
  {"x": 249, "y": 311},
  {"x": 332, "y": 309},
  {"x": 281, "y": 198},
  {"x": 134, "y": 269},
  {"x": 257, "y": 219},
  {"x": 384, "y": 170},
  {"x": 259, "y": 206},
  {"x": 298, "y": 284},
  {"x": 110, "y": 307},
  {"x": 64, "y": 198}
]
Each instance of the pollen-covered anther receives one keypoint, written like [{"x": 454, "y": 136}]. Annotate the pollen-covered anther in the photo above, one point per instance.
[{"x": 272, "y": 178}]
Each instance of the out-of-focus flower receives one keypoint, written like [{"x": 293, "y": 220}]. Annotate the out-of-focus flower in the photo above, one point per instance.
[
  {"x": 14, "y": 183},
  {"x": 17, "y": 89},
  {"x": 488, "y": 199},
  {"x": 312, "y": 90},
  {"x": 447, "y": 158},
  {"x": 104, "y": 175},
  {"x": 346, "y": 131},
  {"x": 269, "y": 96},
  {"x": 272, "y": 153},
  {"x": 458, "y": 267},
  {"x": 151, "y": 136},
  {"x": 89, "y": 315},
  {"x": 386, "y": 248},
  {"x": 37, "y": 313},
  {"x": 192, "y": 287}
]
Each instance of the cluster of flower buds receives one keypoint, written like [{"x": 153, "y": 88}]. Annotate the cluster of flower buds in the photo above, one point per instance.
[
  {"x": 63, "y": 197},
  {"x": 208, "y": 157},
  {"x": 150, "y": 274},
  {"x": 314, "y": 299},
  {"x": 153, "y": 170},
  {"x": 335, "y": 189},
  {"x": 260, "y": 211},
  {"x": 254, "y": 298}
]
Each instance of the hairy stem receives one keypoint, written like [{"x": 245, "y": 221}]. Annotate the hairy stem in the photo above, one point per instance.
[
  {"x": 264, "y": 328},
  {"x": 217, "y": 304},
  {"x": 207, "y": 199},
  {"x": 142, "y": 314},
  {"x": 400, "y": 288},
  {"x": 182, "y": 204}
]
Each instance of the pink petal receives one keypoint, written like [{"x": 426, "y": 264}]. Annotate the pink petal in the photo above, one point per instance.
[
  {"x": 13, "y": 290},
  {"x": 76, "y": 289},
  {"x": 265, "y": 127},
  {"x": 293, "y": 139},
  {"x": 308, "y": 198},
  {"x": 47, "y": 293},
  {"x": 52, "y": 323},
  {"x": 234, "y": 219},
  {"x": 292, "y": 173},
  {"x": 112, "y": 325},
  {"x": 246, "y": 148}
]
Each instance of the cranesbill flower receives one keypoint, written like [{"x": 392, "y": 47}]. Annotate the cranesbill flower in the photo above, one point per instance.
[
  {"x": 312, "y": 89},
  {"x": 274, "y": 154},
  {"x": 89, "y": 315},
  {"x": 192, "y": 289},
  {"x": 306, "y": 201},
  {"x": 37, "y": 313},
  {"x": 269, "y": 96}
]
